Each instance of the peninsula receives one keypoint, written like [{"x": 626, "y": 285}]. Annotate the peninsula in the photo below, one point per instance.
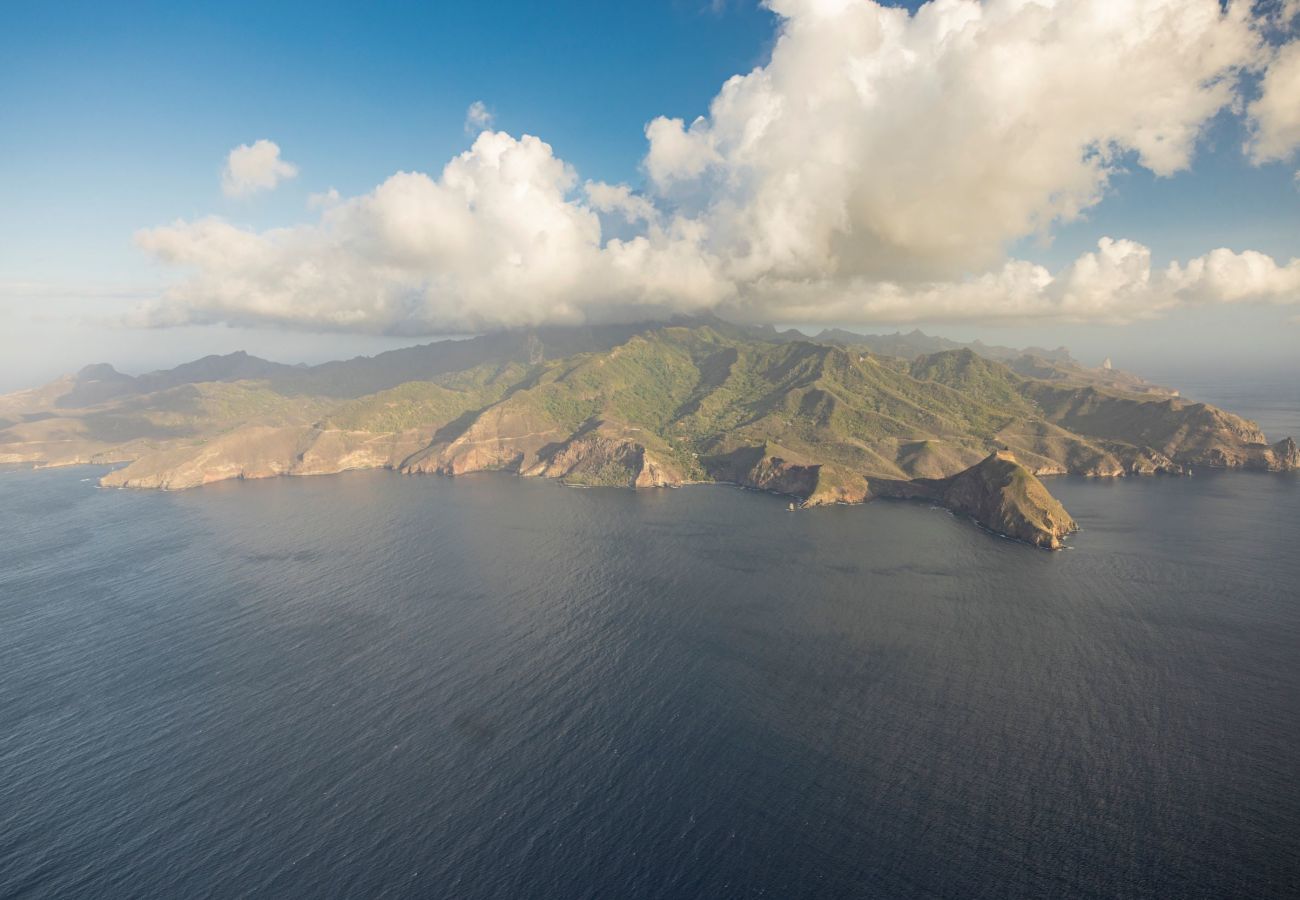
[{"x": 837, "y": 418}]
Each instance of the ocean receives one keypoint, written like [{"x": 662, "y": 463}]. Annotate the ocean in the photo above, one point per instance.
[{"x": 492, "y": 687}]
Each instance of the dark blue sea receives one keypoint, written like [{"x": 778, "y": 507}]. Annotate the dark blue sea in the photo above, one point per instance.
[{"x": 488, "y": 687}]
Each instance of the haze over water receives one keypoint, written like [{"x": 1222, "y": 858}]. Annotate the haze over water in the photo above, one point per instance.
[{"x": 498, "y": 687}]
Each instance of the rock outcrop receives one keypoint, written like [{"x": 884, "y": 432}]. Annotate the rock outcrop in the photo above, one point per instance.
[
  {"x": 999, "y": 493},
  {"x": 766, "y": 468},
  {"x": 1283, "y": 456},
  {"x": 600, "y": 460}
]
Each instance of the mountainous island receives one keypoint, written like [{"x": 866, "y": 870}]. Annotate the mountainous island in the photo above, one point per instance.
[{"x": 837, "y": 418}]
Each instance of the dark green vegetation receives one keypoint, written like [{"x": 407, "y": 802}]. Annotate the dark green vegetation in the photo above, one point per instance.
[{"x": 827, "y": 420}]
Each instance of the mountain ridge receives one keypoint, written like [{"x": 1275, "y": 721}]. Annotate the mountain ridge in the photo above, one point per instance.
[{"x": 654, "y": 404}]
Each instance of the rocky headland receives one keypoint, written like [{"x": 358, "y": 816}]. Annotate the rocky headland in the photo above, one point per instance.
[{"x": 1000, "y": 494}]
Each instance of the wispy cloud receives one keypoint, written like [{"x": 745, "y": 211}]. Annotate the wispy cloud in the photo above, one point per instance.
[
  {"x": 478, "y": 117},
  {"x": 324, "y": 199},
  {"x": 1275, "y": 113}
]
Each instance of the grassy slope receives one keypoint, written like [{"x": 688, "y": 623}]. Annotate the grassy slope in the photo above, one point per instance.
[
  {"x": 694, "y": 394},
  {"x": 418, "y": 404}
]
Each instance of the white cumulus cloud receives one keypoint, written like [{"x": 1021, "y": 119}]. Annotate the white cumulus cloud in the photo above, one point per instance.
[
  {"x": 1116, "y": 283},
  {"x": 878, "y": 142},
  {"x": 619, "y": 199},
  {"x": 255, "y": 167},
  {"x": 1222, "y": 276},
  {"x": 876, "y": 168},
  {"x": 496, "y": 239}
]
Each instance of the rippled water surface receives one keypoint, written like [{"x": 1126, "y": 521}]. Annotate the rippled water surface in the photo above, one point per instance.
[{"x": 495, "y": 687}]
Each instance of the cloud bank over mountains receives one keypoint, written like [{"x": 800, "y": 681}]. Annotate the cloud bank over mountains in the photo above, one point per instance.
[{"x": 876, "y": 169}]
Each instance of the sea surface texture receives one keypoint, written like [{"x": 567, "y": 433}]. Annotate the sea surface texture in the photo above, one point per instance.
[{"x": 491, "y": 687}]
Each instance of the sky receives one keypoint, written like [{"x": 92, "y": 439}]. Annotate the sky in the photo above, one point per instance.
[{"x": 319, "y": 180}]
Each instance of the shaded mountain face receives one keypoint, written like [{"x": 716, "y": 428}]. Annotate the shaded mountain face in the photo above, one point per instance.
[
  {"x": 646, "y": 405},
  {"x": 99, "y": 383},
  {"x": 96, "y": 384}
]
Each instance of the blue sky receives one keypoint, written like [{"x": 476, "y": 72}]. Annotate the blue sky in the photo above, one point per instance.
[{"x": 118, "y": 118}]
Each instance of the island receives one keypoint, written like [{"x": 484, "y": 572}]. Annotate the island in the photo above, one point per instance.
[{"x": 835, "y": 418}]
